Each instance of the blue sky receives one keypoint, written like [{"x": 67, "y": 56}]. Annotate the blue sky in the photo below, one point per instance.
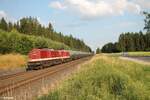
[{"x": 94, "y": 21}]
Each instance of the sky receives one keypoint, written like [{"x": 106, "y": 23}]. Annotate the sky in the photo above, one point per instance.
[{"x": 97, "y": 22}]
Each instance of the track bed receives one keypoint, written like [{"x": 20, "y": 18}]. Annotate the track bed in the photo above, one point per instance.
[{"x": 28, "y": 84}]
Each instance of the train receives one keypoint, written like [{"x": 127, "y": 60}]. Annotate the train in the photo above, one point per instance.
[{"x": 43, "y": 58}]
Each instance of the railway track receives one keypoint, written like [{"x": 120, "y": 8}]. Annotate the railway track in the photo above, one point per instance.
[
  {"x": 9, "y": 83},
  {"x": 11, "y": 75}
]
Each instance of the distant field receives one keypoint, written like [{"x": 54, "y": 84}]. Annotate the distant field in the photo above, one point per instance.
[
  {"x": 105, "y": 78},
  {"x": 10, "y": 61},
  {"x": 139, "y": 53}
]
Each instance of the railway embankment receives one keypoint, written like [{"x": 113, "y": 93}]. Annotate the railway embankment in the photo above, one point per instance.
[
  {"x": 31, "y": 84},
  {"x": 6, "y": 72}
]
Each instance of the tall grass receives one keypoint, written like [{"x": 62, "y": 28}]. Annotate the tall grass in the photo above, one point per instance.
[
  {"x": 10, "y": 61},
  {"x": 105, "y": 78}
]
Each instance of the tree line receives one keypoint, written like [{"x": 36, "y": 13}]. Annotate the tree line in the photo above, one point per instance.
[
  {"x": 31, "y": 26},
  {"x": 14, "y": 42},
  {"x": 131, "y": 41}
]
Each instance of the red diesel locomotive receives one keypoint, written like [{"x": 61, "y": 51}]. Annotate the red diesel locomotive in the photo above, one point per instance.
[{"x": 42, "y": 58}]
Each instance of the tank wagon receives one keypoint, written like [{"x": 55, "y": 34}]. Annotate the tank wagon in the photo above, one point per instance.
[{"x": 43, "y": 58}]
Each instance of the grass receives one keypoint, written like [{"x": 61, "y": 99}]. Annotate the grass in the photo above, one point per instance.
[
  {"x": 139, "y": 53},
  {"x": 10, "y": 61},
  {"x": 105, "y": 78}
]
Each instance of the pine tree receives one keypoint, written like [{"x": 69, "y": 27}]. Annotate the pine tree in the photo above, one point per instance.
[
  {"x": 147, "y": 21},
  {"x": 10, "y": 26},
  {"x": 3, "y": 25}
]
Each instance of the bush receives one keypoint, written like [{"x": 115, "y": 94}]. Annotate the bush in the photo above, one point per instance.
[
  {"x": 12, "y": 61},
  {"x": 20, "y": 43}
]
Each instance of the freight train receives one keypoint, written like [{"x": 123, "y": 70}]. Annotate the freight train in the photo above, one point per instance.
[{"x": 43, "y": 58}]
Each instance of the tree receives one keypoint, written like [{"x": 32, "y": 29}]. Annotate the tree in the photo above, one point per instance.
[
  {"x": 147, "y": 40},
  {"x": 110, "y": 48},
  {"x": 116, "y": 47},
  {"x": 3, "y": 25},
  {"x": 16, "y": 26},
  {"x": 122, "y": 42},
  {"x": 147, "y": 21},
  {"x": 132, "y": 41},
  {"x": 31, "y": 26},
  {"x": 142, "y": 41},
  {"x": 50, "y": 27},
  {"x": 98, "y": 51},
  {"x": 10, "y": 26}
]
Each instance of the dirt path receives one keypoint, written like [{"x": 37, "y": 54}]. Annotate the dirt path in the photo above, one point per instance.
[{"x": 136, "y": 60}]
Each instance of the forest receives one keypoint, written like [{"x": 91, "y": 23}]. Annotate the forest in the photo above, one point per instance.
[
  {"x": 28, "y": 33},
  {"x": 131, "y": 41}
]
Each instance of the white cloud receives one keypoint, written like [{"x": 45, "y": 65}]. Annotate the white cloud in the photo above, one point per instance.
[
  {"x": 57, "y": 5},
  {"x": 2, "y": 14},
  {"x": 145, "y": 4},
  {"x": 97, "y": 8},
  {"x": 133, "y": 8},
  {"x": 42, "y": 22}
]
